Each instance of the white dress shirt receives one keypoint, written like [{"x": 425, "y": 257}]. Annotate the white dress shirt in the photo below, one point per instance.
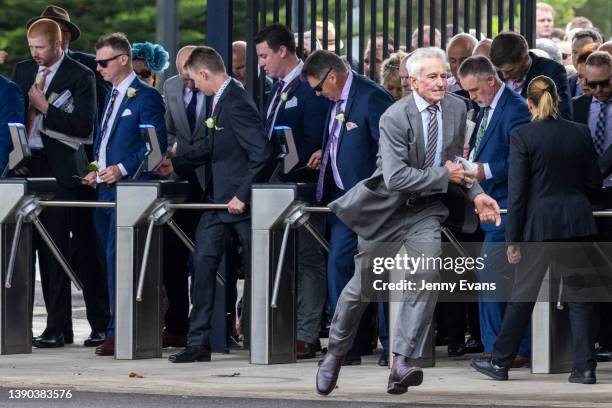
[
  {"x": 287, "y": 80},
  {"x": 35, "y": 141}
]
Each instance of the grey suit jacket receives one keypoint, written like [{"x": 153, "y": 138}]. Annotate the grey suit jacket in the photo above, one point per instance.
[
  {"x": 399, "y": 175},
  {"x": 177, "y": 125}
]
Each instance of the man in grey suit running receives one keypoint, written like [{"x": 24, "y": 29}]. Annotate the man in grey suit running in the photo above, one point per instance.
[{"x": 400, "y": 206}]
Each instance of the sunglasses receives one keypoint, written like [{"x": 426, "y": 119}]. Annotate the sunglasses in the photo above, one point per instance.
[
  {"x": 104, "y": 62},
  {"x": 144, "y": 74},
  {"x": 319, "y": 86},
  {"x": 594, "y": 84}
]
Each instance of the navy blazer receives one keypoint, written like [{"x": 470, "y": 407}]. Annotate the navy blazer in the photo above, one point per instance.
[
  {"x": 11, "y": 111},
  {"x": 125, "y": 144},
  {"x": 357, "y": 147},
  {"x": 305, "y": 113},
  {"x": 510, "y": 112}
]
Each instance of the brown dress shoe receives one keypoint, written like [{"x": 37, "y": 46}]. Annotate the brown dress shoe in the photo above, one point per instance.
[
  {"x": 521, "y": 362},
  {"x": 403, "y": 375},
  {"x": 107, "y": 348},
  {"x": 305, "y": 350},
  {"x": 327, "y": 376},
  {"x": 173, "y": 340}
]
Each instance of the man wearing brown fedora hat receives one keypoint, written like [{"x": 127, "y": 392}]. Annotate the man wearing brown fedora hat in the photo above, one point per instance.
[{"x": 88, "y": 267}]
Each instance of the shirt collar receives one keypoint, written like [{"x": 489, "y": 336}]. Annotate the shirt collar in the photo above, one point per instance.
[
  {"x": 597, "y": 102},
  {"x": 347, "y": 86},
  {"x": 53, "y": 68},
  {"x": 125, "y": 84},
  {"x": 422, "y": 104},
  {"x": 498, "y": 95},
  {"x": 293, "y": 74}
]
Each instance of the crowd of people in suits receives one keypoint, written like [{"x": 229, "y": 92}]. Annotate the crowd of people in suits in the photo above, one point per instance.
[{"x": 382, "y": 157}]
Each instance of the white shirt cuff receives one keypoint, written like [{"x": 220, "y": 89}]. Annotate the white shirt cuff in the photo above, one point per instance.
[
  {"x": 487, "y": 171},
  {"x": 123, "y": 170}
]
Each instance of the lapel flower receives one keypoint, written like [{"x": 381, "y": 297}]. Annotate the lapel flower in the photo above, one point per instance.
[
  {"x": 284, "y": 96},
  {"x": 132, "y": 92},
  {"x": 38, "y": 79},
  {"x": 340, "y": 117},
  {"x": 93, "y": 166},
  {"x": 211, "y": 122}
]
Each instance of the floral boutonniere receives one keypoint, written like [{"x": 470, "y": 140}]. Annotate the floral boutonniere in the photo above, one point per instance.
[
  {"x": 93, "y": 166},
  {"x": 284, "y": 96},
  {"x": 340, "y": 117},
  {"x": 211, "y": 122},
  {"x": 132, "y": 92}
]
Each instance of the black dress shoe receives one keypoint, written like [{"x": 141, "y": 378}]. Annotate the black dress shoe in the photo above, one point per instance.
[
  {"x": 473, "y": 347},
  {"x": 582, "y": 376},
  {"x": 327, "y": 376},
  {"x": 456, "y": 351},
  {"x": 383, "y": 361},
  {"x": 96, "y": 338},
  {"x": 403, "y": 375},
  {"x": 49, "y": 339},
  {"x": 190, "y": 354},
  {"x": 485, "y": 366}
]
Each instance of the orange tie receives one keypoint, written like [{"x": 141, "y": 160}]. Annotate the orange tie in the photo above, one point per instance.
[{"x": 32, "y": 112}]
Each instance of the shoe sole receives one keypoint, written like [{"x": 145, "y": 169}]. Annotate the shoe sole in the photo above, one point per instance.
[
  {"x": 412, "y": 379},
  {"x": 42, "y": 345},
  {"x": 200, "y": 359},
  {"x": 582, "y": 381},
  {"x": 489, "y": 374}
]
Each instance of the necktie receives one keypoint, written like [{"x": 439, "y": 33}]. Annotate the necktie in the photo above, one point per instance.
[
  {"x": 270, "y": 121},
  {"x": 109, "y": 111},
  {"x": 32, "y": 112},
  {"x": 432, "y": 140},
  {"x": 191, "y": 110},
  {"x": 599, "y": 138},
  {"x": 332, "y": 141},
  {"x": 481, "y": 129}
]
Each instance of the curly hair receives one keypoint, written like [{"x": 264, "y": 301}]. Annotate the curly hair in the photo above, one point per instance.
[{"x": 154, "y": 55}]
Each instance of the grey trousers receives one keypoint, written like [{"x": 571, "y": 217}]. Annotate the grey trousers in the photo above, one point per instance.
[
  {"x": 311, "y": 281},
  {"x": 415, "y": 230}
]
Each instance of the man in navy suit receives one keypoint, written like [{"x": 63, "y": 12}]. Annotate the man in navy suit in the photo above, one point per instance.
[
  {"x": 294, "y": 104},
  {"x": 11, "y": 102},
  {"x": 501, "y": 111},
  {"x": 348, "y": 156},
  {"x": 518, "y": 66},
  {"x": 118, "y": 148}
]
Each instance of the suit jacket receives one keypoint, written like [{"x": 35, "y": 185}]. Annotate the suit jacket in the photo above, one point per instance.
[
  {"x": 71, "y": 75},
  {"x": 357, "y": 148},
  {"x": 305, "y": 113},
  {"x": 11, "y": 102},
  {"x": 237, "y": 150},
  {"x": 510, "y": 112},
  {"x": 125, "y": 145},
  {"x": 177, "y": 125},
  {"x": 582, "y": 108},
  {"x": 556, "y": 72},
  {"x": 399, "y": 174},
  {"x": 548, "y": 195},
  {"x": 572, "y": 81}
]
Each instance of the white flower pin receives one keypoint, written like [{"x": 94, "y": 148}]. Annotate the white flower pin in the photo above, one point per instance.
[
  {"x": 211, "y": 122},
  {"x": 340, "y": 117},
  {"x": 132, "y": 92},
  {"x": 284, "y": 96}
]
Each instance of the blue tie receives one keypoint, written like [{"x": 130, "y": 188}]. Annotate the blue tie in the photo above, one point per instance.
[{"x": 191, "y": 110}]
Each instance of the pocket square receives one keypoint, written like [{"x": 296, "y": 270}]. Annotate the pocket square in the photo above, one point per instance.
[
  {"x": 126, "y": 112},
  {"x": 291, "y": 103},
  {"x": 351, "y": 126}
]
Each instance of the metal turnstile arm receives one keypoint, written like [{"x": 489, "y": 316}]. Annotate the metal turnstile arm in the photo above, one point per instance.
[
  {"x": 145, "y": 260},
  {"x": 279, "y": 266},
  {"x": 316, "y": 235},
  {"x": 11, "y": 264}
]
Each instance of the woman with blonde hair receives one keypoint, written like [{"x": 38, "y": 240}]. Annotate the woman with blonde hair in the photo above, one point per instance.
[
  {"x": 390, "y": 76},
  {"x": 552, "y": 176}
]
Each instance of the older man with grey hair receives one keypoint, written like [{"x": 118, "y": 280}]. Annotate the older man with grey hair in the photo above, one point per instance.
[
  {"x": 550, "y": 48},
  {"x": 399, "y": 208}
]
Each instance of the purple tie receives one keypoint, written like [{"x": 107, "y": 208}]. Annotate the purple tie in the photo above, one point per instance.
[{"x": 332, "y": 141}]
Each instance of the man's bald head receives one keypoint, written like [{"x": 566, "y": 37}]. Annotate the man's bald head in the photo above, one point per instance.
[
  {"x": 607, "y": 46},
  {"x": 483, "y": 48},
  {"x": 459, "y": 49},
  {"x": 239, "y": 50},
  {"x": 181, "y": 58}
]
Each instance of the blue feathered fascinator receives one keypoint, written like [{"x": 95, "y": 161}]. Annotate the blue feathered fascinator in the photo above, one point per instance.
[{"x": 154, "y": 55}]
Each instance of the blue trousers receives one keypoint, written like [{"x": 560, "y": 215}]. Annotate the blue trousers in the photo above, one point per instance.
[
  {"x": 105, "y": 221},
  {"x": 498, "y": 270}
]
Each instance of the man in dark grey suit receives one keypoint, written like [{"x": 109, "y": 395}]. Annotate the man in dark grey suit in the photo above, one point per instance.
[
  {"x": 399, "y": 208},
  {"x": 186, "y": 112}
]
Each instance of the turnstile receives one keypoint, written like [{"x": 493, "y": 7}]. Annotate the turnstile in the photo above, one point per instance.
[{"x": 143, "y": 207}]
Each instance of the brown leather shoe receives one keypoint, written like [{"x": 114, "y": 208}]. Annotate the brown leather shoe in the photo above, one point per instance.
[
  {"x": 173, "y": 340},
  {"x": 403, "y": 375},
  {"x": 327, "y": 376},
  {"x": 305, "y": 350},
  {"x": 521, "y": 362},
  {"x": 107, "y": 348}
]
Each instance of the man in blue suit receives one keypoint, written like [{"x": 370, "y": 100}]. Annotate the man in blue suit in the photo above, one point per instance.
[
  {"x": 118, "y": 148},
  {"x": 348, "y": 156},
  {"x": 501, "y": 110},
  {"x": 294, "y": 104},
  {"x": 11, "y": 103}
]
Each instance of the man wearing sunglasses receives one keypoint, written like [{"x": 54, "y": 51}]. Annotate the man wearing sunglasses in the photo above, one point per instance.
[
  {"x": 594, "y": 110},
  {"x": 118, "y": 146}
]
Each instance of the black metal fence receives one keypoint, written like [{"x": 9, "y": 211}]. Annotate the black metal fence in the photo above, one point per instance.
[{"x": 402, "y": 24}]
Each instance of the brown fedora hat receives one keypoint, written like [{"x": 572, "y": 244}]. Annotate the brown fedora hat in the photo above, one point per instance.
[{"x": 59, "y": 15}]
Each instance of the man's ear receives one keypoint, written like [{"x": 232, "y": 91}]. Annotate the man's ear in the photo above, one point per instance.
[{"x": 282, "y": 51}]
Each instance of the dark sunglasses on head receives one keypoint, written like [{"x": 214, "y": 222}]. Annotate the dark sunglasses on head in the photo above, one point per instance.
[
  {"x": 594, "y": 84},
  {"x": 144, "y": 74},
  {"x": 104, "y": 62},
  {"x": 319, "y": 86}
]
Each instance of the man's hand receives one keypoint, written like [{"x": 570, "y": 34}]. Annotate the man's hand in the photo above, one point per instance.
[
  {"x": 38, "y": 100},
  {"x": 89, "y": 179},
  {"x": 466, "y": 151},
  {"x": 479, "y": 173},
  {"x": 456, "y": 174},
  {"x": 315, "y": 160},
  {"x": 165, "y": 168},
  {"x": 171, "y": 153},
  {"x": 22, "y": 171},
  {"x": 487, "y": 209},
  {"x": 514, "y": 254},
  {"x": 235, "y": 206},
  {"x": 111, "y": 174}
]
